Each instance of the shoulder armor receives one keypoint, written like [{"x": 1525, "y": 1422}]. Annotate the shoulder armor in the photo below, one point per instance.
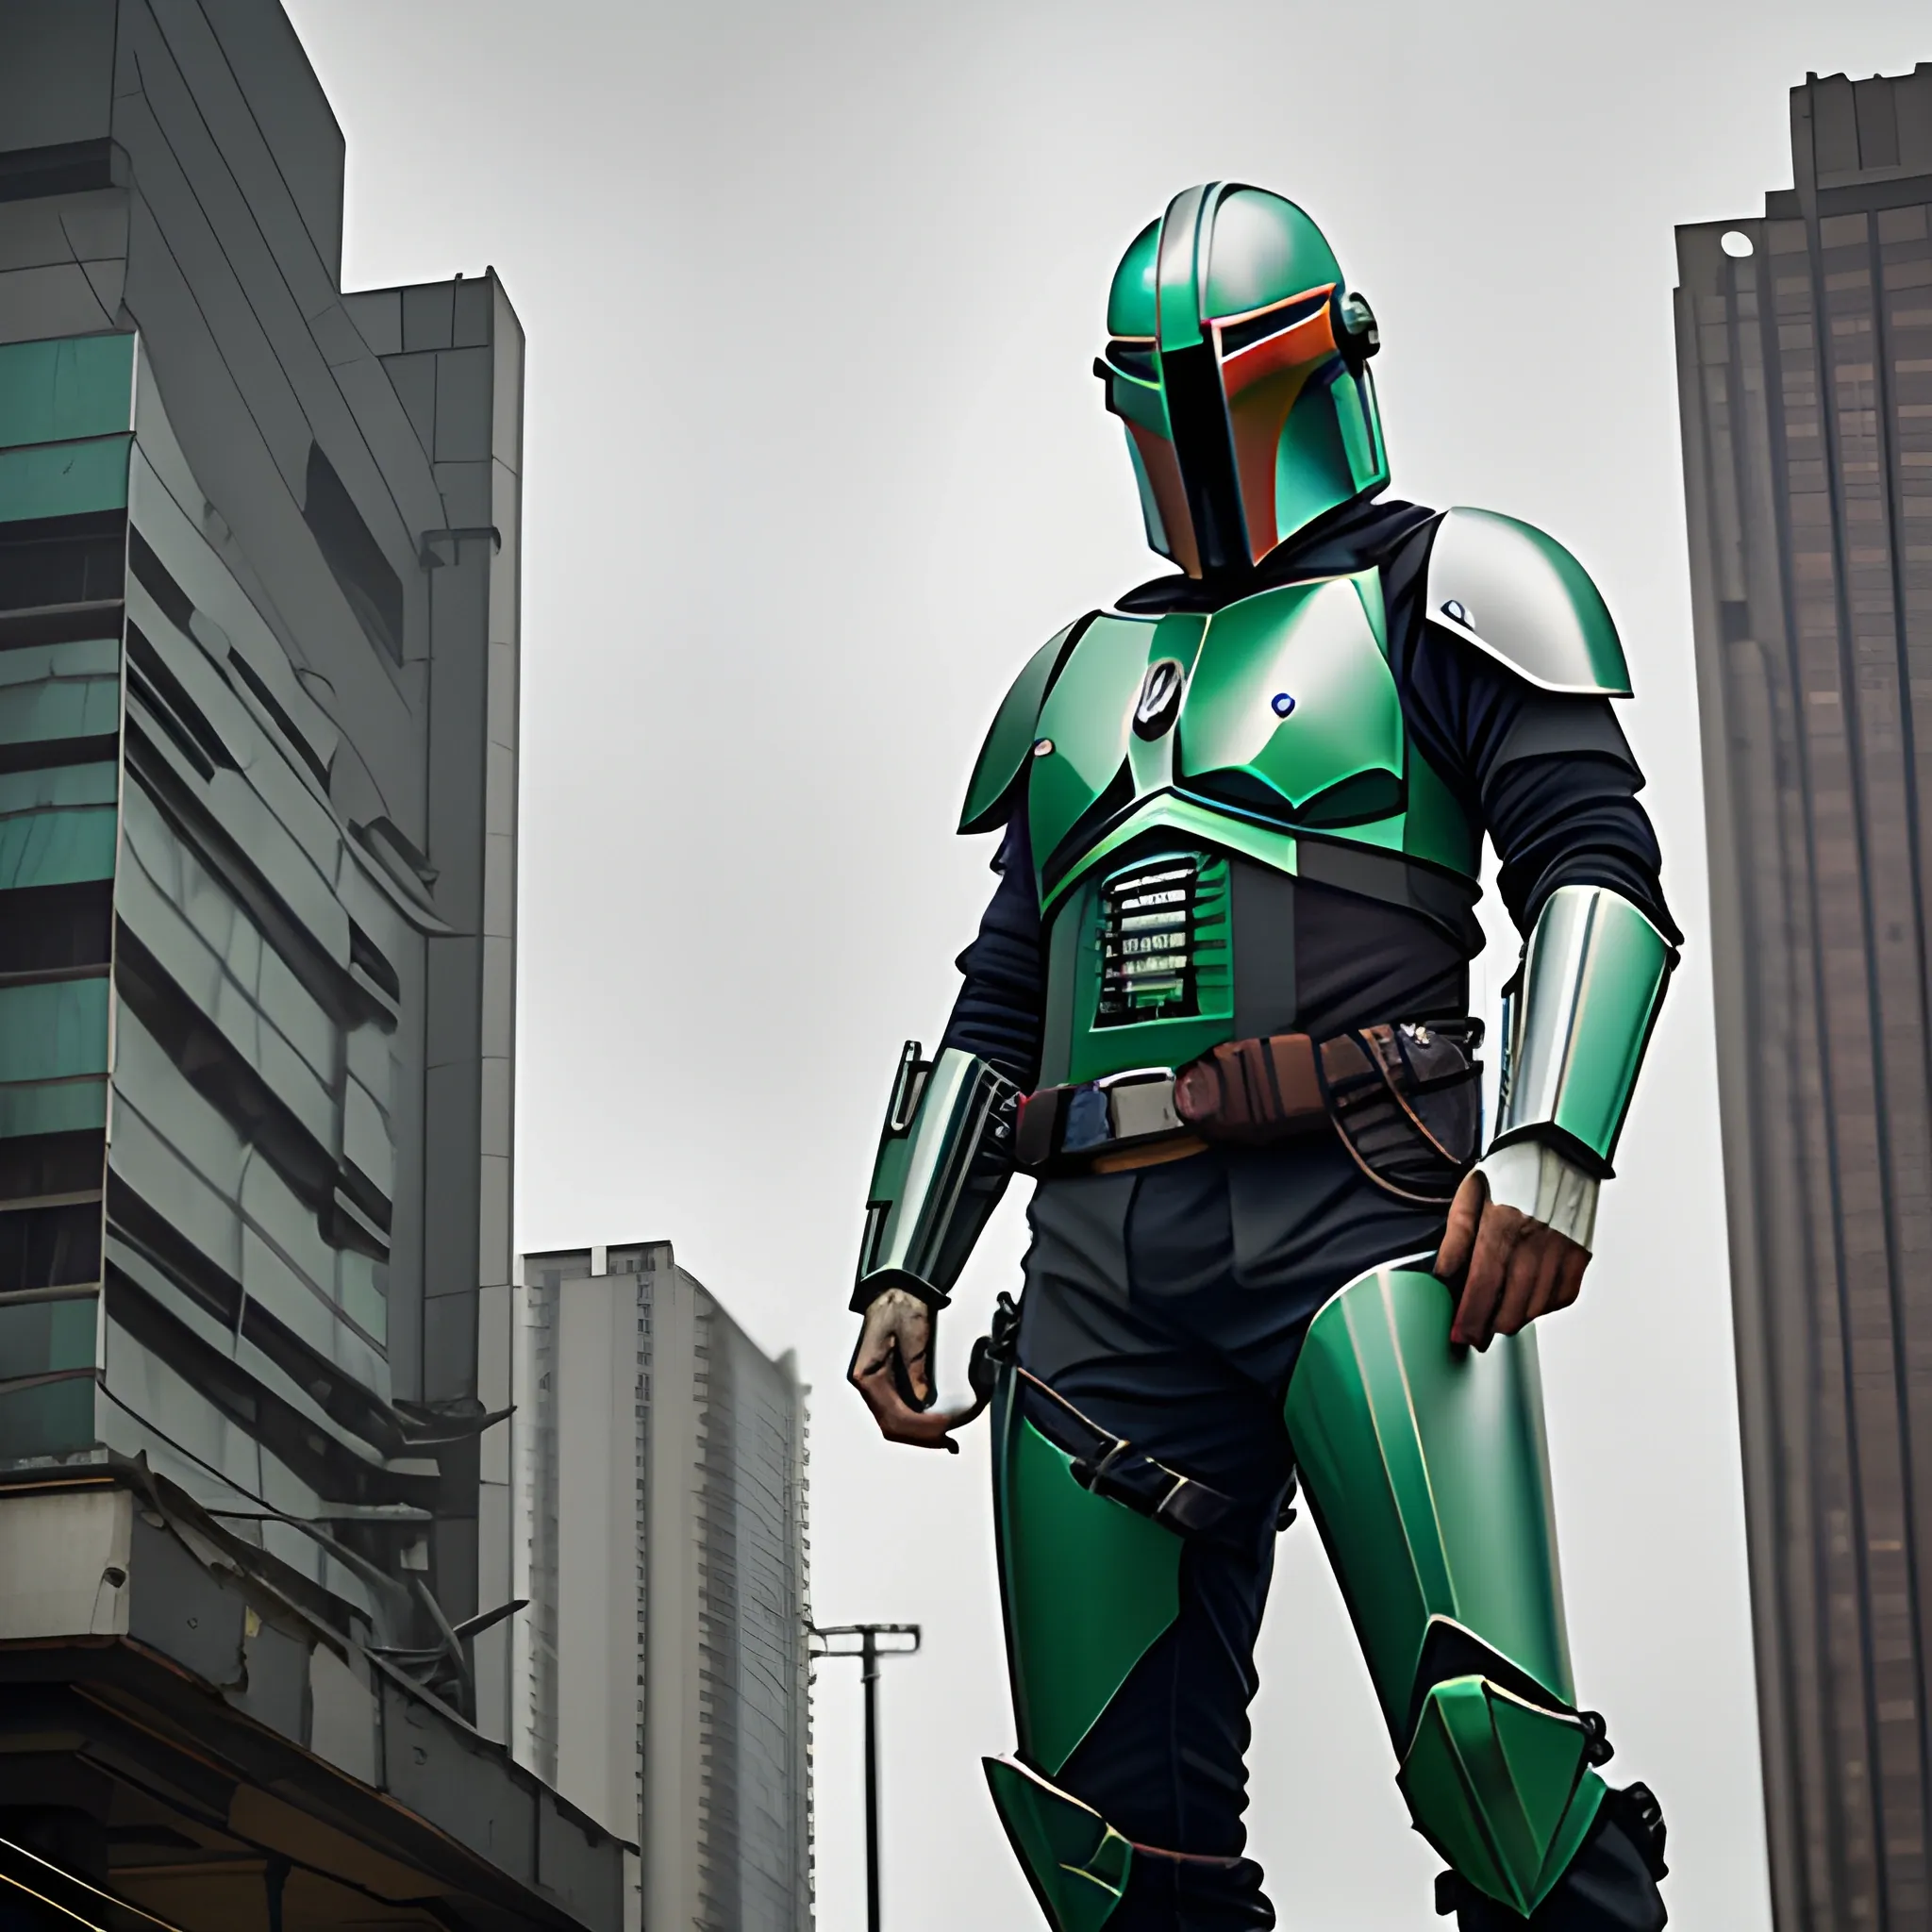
[
  {"x": 1512, "y": 591},
  {"x": 1009, "y": 742}
]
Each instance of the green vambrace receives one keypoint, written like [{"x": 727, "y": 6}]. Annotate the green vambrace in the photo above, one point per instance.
[
  {"x": 944, "y": 1160},
  {"x": 1577, "y": 1019},
  {"x": 1428, "y": 1472}
]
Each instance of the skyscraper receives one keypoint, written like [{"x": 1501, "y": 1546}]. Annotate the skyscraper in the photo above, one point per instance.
[
  {"x": 1805, "y": 359},
  {"x": 258, "y": 660},
  {"x": 663, "y": 1683}
]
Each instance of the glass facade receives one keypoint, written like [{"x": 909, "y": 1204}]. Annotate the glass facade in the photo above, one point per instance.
[
  {"x": 259, "y": 558},
  {"x": 1804, "y": 357}
]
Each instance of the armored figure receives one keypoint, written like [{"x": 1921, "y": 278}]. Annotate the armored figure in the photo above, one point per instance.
[{"x": 1218, "y": 1010}]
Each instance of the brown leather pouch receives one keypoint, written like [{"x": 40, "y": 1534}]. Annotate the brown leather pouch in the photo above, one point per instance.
[
  {"x": 1405, "y": 1099},
  {"x": 1253, "y": 1090}
]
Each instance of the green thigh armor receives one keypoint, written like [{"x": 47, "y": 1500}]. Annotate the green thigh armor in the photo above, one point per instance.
[
  {"x": 1427, "y": 1472},
  {"x": 1088, "y": 1586}
]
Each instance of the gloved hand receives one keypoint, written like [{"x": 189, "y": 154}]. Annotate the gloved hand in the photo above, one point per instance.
[
  {"x": 1519, "y": 1235},
  {"x": 892, "y": 1368}
]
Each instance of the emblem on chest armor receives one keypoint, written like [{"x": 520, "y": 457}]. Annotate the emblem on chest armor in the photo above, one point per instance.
[{"x": 1160, "y": 699}]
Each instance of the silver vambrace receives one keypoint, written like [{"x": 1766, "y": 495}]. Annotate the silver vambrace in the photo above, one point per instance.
[
  {"x": 945, "y": 1155},
  {"x": 1575, "y": 1022}
]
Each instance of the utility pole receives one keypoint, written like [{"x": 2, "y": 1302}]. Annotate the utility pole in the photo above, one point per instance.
[{"x": 862, "y": 1641}]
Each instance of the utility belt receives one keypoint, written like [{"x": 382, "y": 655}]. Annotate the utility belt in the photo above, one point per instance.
[{"x": 1404, "y": 1098}]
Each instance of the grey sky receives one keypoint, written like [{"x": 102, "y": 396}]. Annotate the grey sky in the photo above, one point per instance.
[{"x": 813, "y": 461}]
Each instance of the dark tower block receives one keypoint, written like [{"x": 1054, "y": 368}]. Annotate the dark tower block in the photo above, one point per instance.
[{"x": 1804, "y": 361}]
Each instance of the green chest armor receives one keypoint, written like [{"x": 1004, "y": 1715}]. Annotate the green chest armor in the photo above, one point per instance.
[{"x": 1183, "y": 773}]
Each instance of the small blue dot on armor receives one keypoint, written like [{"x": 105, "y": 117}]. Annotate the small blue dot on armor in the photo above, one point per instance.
[{"x": 1283, "y": 703}]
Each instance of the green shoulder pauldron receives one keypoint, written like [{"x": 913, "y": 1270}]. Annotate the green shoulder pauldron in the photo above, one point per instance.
[{"x": 1513, "y": 591}]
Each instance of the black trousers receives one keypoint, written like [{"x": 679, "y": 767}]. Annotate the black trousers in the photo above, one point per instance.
[{"x": 1170, "y": 1304}]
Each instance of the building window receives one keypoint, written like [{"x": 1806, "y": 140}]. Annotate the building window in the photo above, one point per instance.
[{"x": 353, "y": 556}]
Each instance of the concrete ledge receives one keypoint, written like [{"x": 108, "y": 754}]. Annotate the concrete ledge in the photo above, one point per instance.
[{"x": 149, "y": 1688}]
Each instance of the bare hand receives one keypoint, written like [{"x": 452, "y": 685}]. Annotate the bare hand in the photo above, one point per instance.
[
  {"x": 892, "y": 1368},
  {"x": 1517, "y": 1269}
]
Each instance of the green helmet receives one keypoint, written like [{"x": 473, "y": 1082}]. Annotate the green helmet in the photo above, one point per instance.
[{"x": 1240, "y": 365}]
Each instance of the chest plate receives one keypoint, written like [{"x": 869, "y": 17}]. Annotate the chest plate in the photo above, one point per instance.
[
  {"x": 1182, "y": 763},
  {"x": 1275, "y": 717}
]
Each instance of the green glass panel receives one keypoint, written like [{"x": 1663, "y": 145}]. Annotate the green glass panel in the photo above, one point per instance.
[
  {"x": 55, "y": 391},
  {"x": 56, "y": 1419},
  {"x": 52, "y": 1032},
  {"x": 1427, "y": 1470},
  {"x": 1088, "y": 1585},
  {"x": 61, "y": 1106},
  {"x": 1340, "y": 744},
  {"x": 1009, "y": 742},
  {"x": 59, "y": 785},
  {"x": 1087, "y": 720},
  {"x": 62, "y": 480},
  {"x": 39, "y": 1338},
  {"x": 1076, "y": 1862},
  {"x": 58, "y": 848},
  {"x": 59, "y": 707},
  {"x": 82, "y": 657}
]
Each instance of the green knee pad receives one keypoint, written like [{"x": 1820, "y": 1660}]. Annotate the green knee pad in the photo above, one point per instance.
[
  {"x": 1427, "y": 1472},
  {"x": 1501, "y": 1787},
  {"x": 1076, "y": 1862}
]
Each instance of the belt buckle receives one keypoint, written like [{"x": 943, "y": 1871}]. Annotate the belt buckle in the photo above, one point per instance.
[{"x": 1139, "y": 1103}]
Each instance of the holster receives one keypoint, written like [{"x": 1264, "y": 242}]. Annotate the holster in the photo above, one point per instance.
[{"x": 1106, "y": 1464}]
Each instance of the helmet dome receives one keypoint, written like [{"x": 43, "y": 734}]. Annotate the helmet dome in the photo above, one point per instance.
[{"x": 1238, "y": 360}]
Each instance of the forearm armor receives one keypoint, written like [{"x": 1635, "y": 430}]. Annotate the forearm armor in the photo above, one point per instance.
[
  {"x": 1577, "y": 1019},
  {"x": 945, "y": 1155}
]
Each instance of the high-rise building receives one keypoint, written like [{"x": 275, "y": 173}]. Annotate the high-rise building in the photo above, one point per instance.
[
  {"x": 663, "y": 1681},
  {"x": 1805, "y": 359},
  {"x": 258, "y": 658}
]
